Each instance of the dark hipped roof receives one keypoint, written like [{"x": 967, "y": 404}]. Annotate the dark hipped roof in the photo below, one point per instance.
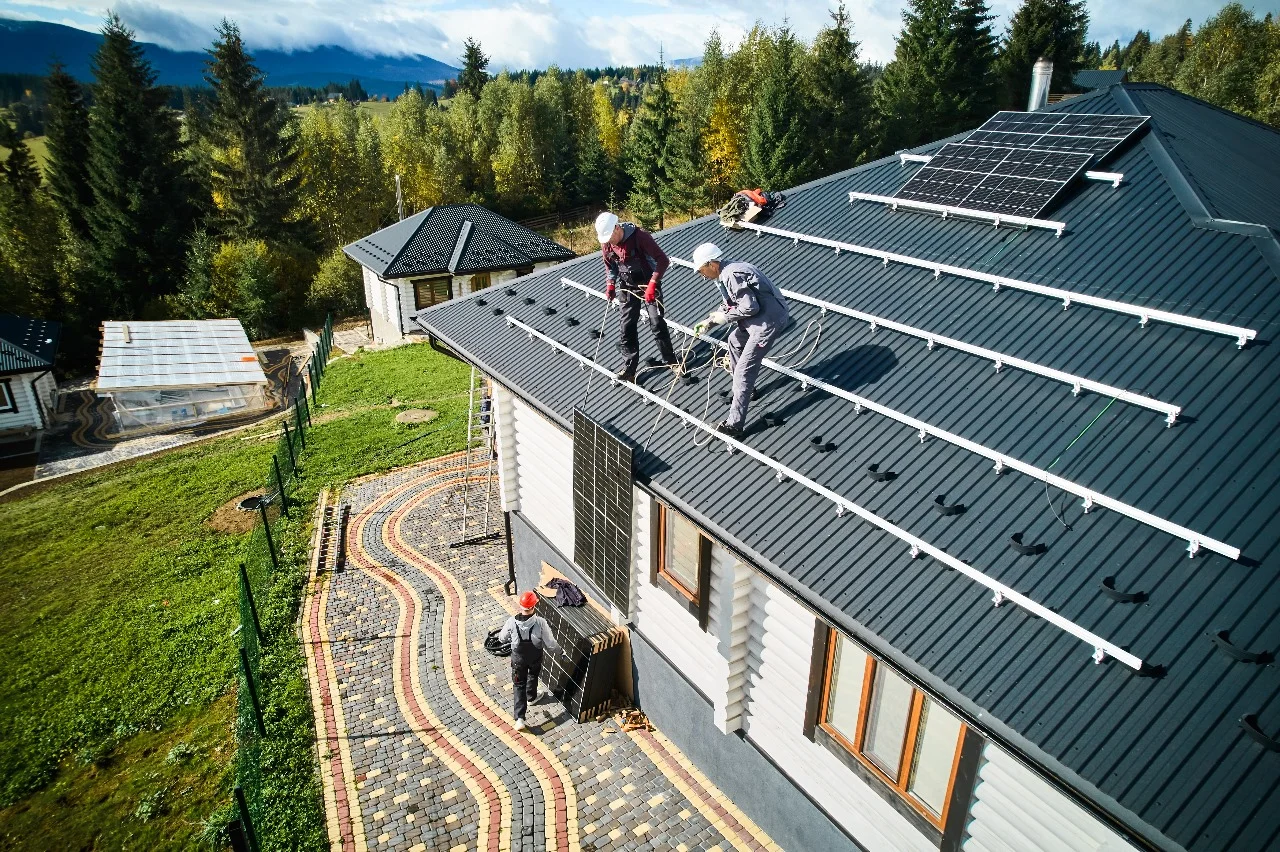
[
  {"x": 453, "y": 238},
  {"x": 1091, "y": 79},
  {"x": 26, "y": 344},
  {"x": 1163, "y": 756}
]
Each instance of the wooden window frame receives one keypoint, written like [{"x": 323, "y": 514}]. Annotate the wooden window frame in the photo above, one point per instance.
[
  {"x": 486, "y": 277},
  {"x": 695, "y": 600},
  {"x": 8, "y": 399},
  {"x": 430, "y": 281},
  {"x": 910, "y": 741}
]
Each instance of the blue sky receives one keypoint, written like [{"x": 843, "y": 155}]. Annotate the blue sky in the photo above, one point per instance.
[{"x": 535, "y": 33}]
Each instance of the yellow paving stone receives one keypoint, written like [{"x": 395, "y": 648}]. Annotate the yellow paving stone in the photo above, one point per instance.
[
  {"x": 421, "y": 847},
  {"x": 402, "y": 776},
  {"x": 378, "y": 792},
  {"x": 401, "y": 798},
  {"x": 590, "y": 800},
  {"x": 617, "y": 803},
  {"x": 589, "y": 827},
  {"x": 384, "y": 837},
  {"x": 605, "y": 776},
  {"x": 657, "y": 800},
  {"x": 424, "y": 782},
  {"x": 408, "y": 817},
  {"x": 605, "y": 749},
  {"x": 451, "y": 818},
  {"x": 628, "y": 788},
  {"x": 642, "y": 829},
  {"x": 685, "y": 814},
  {"x": 452, "y": 794},
  {"x": 628, "y": 770},
  {"x": 682, "y": 848},
  {"x": 615, "y": 834},
  {"x": 379, "y": 814}
]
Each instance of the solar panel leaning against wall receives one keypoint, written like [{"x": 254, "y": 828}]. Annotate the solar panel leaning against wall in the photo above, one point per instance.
[{"x": 602, "y": 508}]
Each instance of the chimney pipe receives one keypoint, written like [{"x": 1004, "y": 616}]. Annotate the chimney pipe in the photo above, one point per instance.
[{"x": 1041, "y": 75}]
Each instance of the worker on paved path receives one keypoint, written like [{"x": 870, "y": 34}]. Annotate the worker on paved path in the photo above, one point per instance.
[
  {"x": 528, "y": 634},
  {"x": 633, "y": 268},
  {"x": 760, "y": 311}
]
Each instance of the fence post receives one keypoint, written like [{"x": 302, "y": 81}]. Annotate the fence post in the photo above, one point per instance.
[
  {"x": 253, "y": 606},
  {"x": 306, "y": 409},
  {"x": 288, "y": 442},
  {"x": 271, "y": 545},
  {"x": 311, "y": 376},
  {"x": 299, "y": 401},
  {"x": 284, "y": 499},
  {"x": 253, "y": 697},
  {"x": 246, "y": 821}
]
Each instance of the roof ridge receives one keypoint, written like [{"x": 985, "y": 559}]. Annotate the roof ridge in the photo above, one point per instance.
[
  {"x": 465, "y": 229},
  {"x": 426, "y": 215}
]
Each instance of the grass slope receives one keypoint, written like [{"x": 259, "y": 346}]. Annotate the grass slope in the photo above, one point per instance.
[
  {"x": 39, "y": 148},
  {"x": 117, "y": 608}
]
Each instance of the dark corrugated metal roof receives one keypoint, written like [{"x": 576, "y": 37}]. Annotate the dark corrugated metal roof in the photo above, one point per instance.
[
  {"x": 27, "y": 344},
  {"x": 1091, "y": 79},
  {"x": 435, "y": 241},
  {"x": 1164, "y": 756}
]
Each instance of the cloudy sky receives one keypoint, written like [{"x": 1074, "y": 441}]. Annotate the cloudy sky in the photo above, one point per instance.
[{"x": 534, "y": 33}]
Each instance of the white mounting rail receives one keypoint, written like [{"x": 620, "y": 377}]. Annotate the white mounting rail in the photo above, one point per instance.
[
  {"x": 1195, "y": 541},
  {"x": 1113, "y": 178},
  {"x": 1102, "y": 648},
  {"x": 1068, "y": 298},
  {"x": 946, "y": 210},
  {"x": 1077, "y": 383}
]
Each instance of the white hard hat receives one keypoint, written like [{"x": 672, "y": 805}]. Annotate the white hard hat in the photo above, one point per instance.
[
  {"x": 706, "y": 253},
  {"x": 605, "y": 223}
]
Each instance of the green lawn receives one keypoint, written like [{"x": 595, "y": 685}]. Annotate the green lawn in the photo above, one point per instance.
[
  {"x": 116, "y": 613},
  {"x": 38, "y": 146}
]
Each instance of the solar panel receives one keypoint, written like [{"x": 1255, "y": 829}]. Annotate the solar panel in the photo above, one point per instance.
[
  {"x": 1093, "y": 134},
  {"x": 994, "y": 179},
  {"x": 602, "y": 505}
]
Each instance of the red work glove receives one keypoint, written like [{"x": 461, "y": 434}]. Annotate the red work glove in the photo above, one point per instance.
[
  {"x": 651, "y": 292},
  {"x": 609, "y": 292}
]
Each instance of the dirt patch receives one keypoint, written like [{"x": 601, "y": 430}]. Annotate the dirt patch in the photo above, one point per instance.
[
  {"x": 416, "y": 415},
  {"x": 229, "y": 518}
]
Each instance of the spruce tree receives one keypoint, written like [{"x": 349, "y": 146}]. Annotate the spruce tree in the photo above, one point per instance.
[
  {"x": 917, "y": 97},
  {"x": 1162, "y": 60},
  {"x": 686, "y": 189},
  {"x": 141, "y": 206},
  {"x": 1054, "y": 29},
  {"x": 20, "y": 172},
  {"x": 252, "y": 173},
  {"x": 975, "y": 59},
  {"x": 779, "y": 152},
  {"x": 647, "y": 149},
  {"x": 67, "y": 137},
  {"x": 474, "y": 64},
  {"x": 841, "y": 96},
  {"x": 1134, "y": 51}
]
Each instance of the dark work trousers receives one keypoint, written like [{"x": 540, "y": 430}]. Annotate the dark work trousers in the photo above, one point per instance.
[
  {"x": 630, "y": 303},
  {"x": 526, "y": 665},
  {"x": 749, "y": 343}
]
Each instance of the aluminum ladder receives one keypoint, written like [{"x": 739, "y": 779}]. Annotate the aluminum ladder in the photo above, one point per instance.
[{"x": 480, "y": 438}]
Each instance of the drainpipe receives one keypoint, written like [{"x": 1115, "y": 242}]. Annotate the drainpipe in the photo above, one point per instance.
[{"x": 1041, "y": 75}]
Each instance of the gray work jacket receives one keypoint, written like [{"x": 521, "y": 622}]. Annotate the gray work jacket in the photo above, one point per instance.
[
  {"x": 750, "y": 298},
  {"x": 534, "y": 628}
]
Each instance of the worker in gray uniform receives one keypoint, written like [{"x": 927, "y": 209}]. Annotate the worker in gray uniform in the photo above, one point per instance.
[{"x": 760, "y": 312}]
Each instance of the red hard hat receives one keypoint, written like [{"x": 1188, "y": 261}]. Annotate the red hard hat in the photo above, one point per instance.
[{"x": 529, "y": 600}]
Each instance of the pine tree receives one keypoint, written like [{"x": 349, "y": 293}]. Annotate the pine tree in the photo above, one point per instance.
[
  {"x": 975, "y": 60},
  {"x": 255, "y": 183},
  {"x": 1134, "y": 51},
  {"x": 474, "y": 65},
  {"x": 686, "y": 188},
  {"x": 592, "y": 168},
  {"x": 918, "y": 96},
  {"x": 67, "y": 137},
  {"x": 141, "y": 204},
  {"x": 841, "y": 96},
  {"x": 646, "y": 151},
  {"x": 1091, "y": 56},
  {"x": 19, "y": 171},
  {"x": 778, "y": 151},
  {"x": 1054, "y": 29}
]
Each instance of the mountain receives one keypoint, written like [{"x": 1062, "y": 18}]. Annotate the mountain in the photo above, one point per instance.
[{"x": 27, "y": 47}]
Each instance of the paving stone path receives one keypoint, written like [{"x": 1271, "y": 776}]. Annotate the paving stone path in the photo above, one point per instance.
[{"x": 417, "y": 745}]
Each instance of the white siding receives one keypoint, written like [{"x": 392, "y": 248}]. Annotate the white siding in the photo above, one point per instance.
[
  {"x": 1015, "y": 810},
  {"x": 780, "y": 645},
  {"x": 382, "y": 301},
  {"x": 543, "y": 474},
  {"x": 27, "y": 417},
  {"x": 667, "y": 623},
  {"x": 405, "y": 305},
  {"x": 505, "y": 441}
]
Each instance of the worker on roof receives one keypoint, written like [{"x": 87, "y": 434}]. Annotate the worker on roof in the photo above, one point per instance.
[
  {"x": 528, "y": 634},
  {"x": 633, "y": 268},
  {"x": 758, "y": 309}
]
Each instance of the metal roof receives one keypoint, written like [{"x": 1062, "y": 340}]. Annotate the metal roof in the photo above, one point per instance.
[
  {"x": 176, "y": 354},
  {"x": 1162, "y": 753},
  {"x": 1092, "y": 78},
  {"x": 456, "y": 239},
  {"x": 27, "y": 345}
]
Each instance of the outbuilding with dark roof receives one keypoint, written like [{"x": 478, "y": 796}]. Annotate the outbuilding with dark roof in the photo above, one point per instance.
[
  {"x": 443, "y": 252},
  {"x": 28, "y": 390},
  {"x": 993, "y": 567}
]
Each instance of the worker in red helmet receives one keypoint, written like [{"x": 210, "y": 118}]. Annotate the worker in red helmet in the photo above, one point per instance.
[{"x": 529, "y": 635}]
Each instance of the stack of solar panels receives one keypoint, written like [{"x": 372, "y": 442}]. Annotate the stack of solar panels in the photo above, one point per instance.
[{"x": 1018, "y": 162}]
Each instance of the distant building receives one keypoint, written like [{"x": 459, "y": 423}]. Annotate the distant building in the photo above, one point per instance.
[
  {"x": 445, "y": 251},
  {"x": 179, "y": 372},
  {"x": 28, "y": 390}
]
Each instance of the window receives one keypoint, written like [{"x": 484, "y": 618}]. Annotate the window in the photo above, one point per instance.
[
  {"x": 522, "y": 271},
  {"x": 902, "y": 736},
  {"x": 430, "y": 291},
  {"x": 683, "y": 561},
  {"x": 8, "y": 404},
  {"x": 480, "y": 281}
]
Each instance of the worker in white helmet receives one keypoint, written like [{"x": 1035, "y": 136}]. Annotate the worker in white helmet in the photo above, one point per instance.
[
  {"x": 633, "y": 268},
  {"x": 758, "y": 309}
]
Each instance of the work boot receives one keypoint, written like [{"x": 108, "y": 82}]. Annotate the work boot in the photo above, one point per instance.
[
  {"x": 734, "y": 432},
  {"x": 625, "y": 375}
]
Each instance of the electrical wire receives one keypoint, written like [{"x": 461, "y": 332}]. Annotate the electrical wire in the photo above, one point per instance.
[
  {"x": 1095, "y": 419},
  {"x": 595, "y": 356}
]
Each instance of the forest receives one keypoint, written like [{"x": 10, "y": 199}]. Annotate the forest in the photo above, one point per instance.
[{"x": 233, "y": 201}]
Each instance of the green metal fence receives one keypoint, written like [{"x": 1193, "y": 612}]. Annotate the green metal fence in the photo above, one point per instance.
[{"x": 261, "y": 564}]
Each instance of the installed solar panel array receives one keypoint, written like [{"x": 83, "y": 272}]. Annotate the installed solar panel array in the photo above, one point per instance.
[
  {"x": 602, "y": 504},
  {"x": 1017, "y": 162}
]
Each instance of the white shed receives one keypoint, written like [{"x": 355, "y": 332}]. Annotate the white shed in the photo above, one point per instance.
[
  {"x": 444, "y": 252},
  {"x": 179, "y": 372},
  {"x": 27, "y": 387}
]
